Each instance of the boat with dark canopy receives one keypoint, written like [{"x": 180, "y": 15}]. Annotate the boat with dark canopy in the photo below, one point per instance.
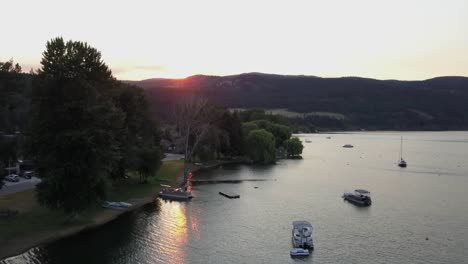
[
  {"x": 302, "y": 235},
  {"x": 359, "y": 197}
]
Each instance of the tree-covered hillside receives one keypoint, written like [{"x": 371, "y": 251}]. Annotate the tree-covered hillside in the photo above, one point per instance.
[{"x": 434, "y": 104}]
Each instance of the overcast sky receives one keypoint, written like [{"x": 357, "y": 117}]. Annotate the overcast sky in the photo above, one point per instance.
[{"x": 394, "y": 39}]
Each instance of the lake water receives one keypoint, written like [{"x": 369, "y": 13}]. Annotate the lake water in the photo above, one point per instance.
[{"x": 419, "y": 214}]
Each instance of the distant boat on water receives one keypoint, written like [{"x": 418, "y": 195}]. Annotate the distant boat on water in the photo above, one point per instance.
[
  {"x": 308, "y": 141},
  {"x": 402, "y": 163},
  {"x": 348, "y": 146}
]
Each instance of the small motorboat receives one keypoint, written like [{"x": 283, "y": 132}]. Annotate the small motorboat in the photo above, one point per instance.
[
  {"x": 308, "y": 141},
  {"x": 184, "y": 193},
  {"x": 348, "y": 146},
  {"x": 175, "y": 194},
  {"x": 299, "y": 252},
  {"x": 358, "y": 197},
  {"x": 302, "y": 235}
]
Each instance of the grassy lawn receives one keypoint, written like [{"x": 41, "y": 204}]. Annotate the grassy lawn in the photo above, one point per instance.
[
  {"x": 131, "y": 188},
  {"x": 34, "y": 224}
]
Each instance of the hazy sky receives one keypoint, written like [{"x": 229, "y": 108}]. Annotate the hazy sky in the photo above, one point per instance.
[{"x": 394, "y": 39}]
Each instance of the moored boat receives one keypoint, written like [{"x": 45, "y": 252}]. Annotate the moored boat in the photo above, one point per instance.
[
  {"x": 359, "y": 197},
  {"x": 348, "y": 146},
  {"x": 302, "y": 235},
  {"x": 402, "y": 163},
  {"x": 175, "y": 194}
]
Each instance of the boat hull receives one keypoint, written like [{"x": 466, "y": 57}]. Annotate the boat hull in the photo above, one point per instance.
[
  {"x": 357, "y": 201},
  {"x": 176, "y": 196}
]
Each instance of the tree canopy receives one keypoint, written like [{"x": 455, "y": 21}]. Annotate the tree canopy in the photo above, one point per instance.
[
  {"x": 294, "y": 147},
  {"x": 280, "y": 132},
  {"x": 84, "y": 127},
  {"x": 261, "y": 146},
  {"x": 14, "y": 97}
]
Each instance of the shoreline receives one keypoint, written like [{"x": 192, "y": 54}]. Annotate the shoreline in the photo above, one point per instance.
[
  {"x": 105, "y": 216},
  {"x": 21, "y": 244}
]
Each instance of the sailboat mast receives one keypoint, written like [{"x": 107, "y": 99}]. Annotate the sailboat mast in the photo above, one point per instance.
[{"x": 401, "y": 148}]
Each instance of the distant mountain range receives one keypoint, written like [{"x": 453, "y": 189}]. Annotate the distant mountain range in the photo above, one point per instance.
[{"x": 434, "y": 104}]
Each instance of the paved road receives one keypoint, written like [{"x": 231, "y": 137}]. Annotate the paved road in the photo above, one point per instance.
[{"x": 23, "y": 184}]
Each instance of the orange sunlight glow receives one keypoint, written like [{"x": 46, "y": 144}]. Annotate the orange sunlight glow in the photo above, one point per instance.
[{"x": 397, "y": 39}]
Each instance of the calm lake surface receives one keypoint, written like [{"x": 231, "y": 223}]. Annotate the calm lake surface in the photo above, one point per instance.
[{"x": 419, "y": 214}]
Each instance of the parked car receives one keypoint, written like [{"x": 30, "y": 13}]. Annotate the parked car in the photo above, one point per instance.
[{"x": 12, "y": 178}]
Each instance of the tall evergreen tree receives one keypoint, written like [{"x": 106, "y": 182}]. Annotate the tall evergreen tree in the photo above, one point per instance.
[
  {"x": 140, "y": 137},
  {"x": 236, "y": 135},
  {"x": 75, "y": 127},
  {"x": 14, "y": 102},
  {"x": 232, "y": 124}
]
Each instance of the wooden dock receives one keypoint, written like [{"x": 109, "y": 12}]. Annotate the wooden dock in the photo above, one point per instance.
[{"x": 230, "y": 195}]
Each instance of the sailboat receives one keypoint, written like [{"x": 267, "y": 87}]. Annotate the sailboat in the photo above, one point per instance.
[{"x": 402, "y": 163}]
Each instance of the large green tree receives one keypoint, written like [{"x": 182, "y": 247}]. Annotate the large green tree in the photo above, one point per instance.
[
  {"x": 8, "y": 150},
  {"x": 247, "y": 127},
  {"x": 261, "y": 146},
  {"x": 140, "y": 134},
  {"x": 14, "y": 97},
  {"x": 75, "y": 126},
  {"x": 214, "y": 142},
  {"x": 149, "y": 161},
  {"x": 294, "y": 147},
  {"x": 280, "y": 132},
  {"x": 232, "y": 125}
]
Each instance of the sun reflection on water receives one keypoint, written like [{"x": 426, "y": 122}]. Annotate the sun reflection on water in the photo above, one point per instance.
[{"x": 179, "y": 225}]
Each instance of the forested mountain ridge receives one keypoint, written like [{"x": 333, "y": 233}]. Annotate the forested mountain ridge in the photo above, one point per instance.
[{"x": 435, "y": 104}]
